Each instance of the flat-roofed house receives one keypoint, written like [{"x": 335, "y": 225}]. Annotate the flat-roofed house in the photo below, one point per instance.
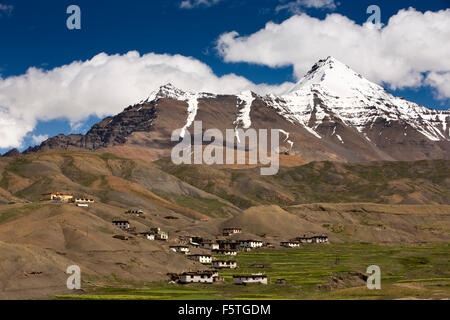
[
  {"x": 180, "y": 249},
  {"x": 202, "y": 258},
  {"x": 258, "y": 278},
  {"x": 230, "y": 231},
  {"x": 313, "y": 239},
  {"x": 304, "y": 239},
  {"x": 198, "y": 277},
  {"x": 57, "y": 196},
  {"x": 135, "y": 212},
  {"x": 209, "y": 245},
  {"x": 196, "y": 240},
  {"x": 224, "y": 264},
  {"x": 159, "y": 234},
  {"x": 228, "y": 245},
  {"x": 250, "y": 244},
  {"x": 224, "y": 252},
  {"x": 290, "y": 244},
  {"x": 122, "y": 224},
  {"x": 320, "y": 239},
  {"x": 148, "y": 235},
  {"x": 83, "y": 200}
]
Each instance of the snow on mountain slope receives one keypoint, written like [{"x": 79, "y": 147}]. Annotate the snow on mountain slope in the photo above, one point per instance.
[
  {"x": 244, "y": 101},
  {"x": 331, "y": 89},
  {"x": 169, "y": 91}
]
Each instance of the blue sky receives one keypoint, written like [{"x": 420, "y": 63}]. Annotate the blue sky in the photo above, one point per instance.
[{"x": 34, "y": 34}]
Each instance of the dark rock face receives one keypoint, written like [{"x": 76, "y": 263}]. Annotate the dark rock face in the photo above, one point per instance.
[
  {"x": 110, "y": 131},
  {"x": 115, "y": 130},
  {"x": 12, "y": 153},
  {"x": 60, "y": 141}
]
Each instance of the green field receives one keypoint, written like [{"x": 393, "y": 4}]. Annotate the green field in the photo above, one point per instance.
[{"x": 421, "y": 271}]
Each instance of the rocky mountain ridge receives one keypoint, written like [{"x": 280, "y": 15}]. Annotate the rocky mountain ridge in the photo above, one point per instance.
[{"x": 333, "y": 113}]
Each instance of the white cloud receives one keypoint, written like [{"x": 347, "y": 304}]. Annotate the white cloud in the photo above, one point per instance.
[
  {"x": 298, "y": 6},
  {"x": 190, "y": 4},
  {"x": 440, "y": 81},
  {"x": 410, "y": 45},
  {"x": 39, "y": 138},
  {"x": 102, "y": 86},
  {"x": 6, "y": 9}
]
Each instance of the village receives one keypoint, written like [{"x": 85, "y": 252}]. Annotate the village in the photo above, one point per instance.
[{"x": 215, "y": 254}]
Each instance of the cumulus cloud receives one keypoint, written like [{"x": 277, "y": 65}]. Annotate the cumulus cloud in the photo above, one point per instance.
[
  {"x": 102, "y": 86},
  {"x": 298, "y": 6},
  {"x": 401, "y": 54},
  {"x": 190, "y": 4},
  {"x": 440, "y": 81},
  {"x": 39, "y": 138},
  {"x": 5, "y": 9}
]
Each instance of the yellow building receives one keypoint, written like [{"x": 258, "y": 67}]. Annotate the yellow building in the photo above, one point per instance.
[{"x": 57, "y": 197}]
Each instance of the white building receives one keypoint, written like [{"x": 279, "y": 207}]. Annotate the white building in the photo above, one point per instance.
[
  {"x": 314, "y": 239},
  {"x": 250, "y": 244},
  {"x": 224, "y": 252},
  {"x": 230, "y": 231},
  {"x": 122, "y": 224},
  {"x": 148, "y": 235},
  {"x": 249, "y": 279},
  {"x": 202, "y": 258},
  {"x": 320, "y": 239},
  {"x": 198, "y": 277},
  {"x": 159, "y": 234},
  {"x": 83, "y": 200},
  {"x": 181, "y": 249},
  {"x": 224, "y": 264},
  {"x": 210, "y": 245},
  {"x": 290, "y": 244}
]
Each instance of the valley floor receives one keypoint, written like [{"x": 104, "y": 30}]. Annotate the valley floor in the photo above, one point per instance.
[{"x": 312, "y": 272}]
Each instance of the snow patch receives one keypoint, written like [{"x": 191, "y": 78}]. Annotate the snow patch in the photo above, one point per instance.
[{"x": 244, "y": 100}]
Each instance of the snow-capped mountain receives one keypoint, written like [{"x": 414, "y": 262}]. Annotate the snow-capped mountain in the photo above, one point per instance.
[
  {"x": 332, "y": 113},
  {"x": 331, "y": 89}
]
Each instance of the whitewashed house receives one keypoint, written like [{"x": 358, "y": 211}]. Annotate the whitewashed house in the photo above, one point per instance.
[
  {"x": 210, "y": 245},
  {"x": 224, "y": 264},
  {"x": 313, "y": 239},
  {"x": 250, "y": 244},
  {"x": 290, "y": 244},
  {"x": 249, "y": 279},
  {"x": 230, "y": 231},
  {"x": 180, "y": 249},
  {"x": 198, "y": 277},
  {"x": 224, "y": 252},
  {"x": 320, "y": 239},
  {"x": 122, "y": 224},
  {"x": 159, "y": 234},
  {"x": 202, "y": 258},
  {"x": 83, "y": 200},
  {"x": 148, "y": 235}
]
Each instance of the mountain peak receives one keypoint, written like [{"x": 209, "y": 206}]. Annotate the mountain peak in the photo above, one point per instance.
[
  {"x": 166, "y": 91},
  {"x": 334, "y": 77}
]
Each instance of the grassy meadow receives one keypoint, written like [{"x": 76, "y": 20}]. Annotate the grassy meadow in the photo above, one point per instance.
[{"x": 407, "y": 272}]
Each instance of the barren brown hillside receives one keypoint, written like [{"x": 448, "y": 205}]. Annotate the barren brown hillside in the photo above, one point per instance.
[{"x": 39, "y": 240}]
